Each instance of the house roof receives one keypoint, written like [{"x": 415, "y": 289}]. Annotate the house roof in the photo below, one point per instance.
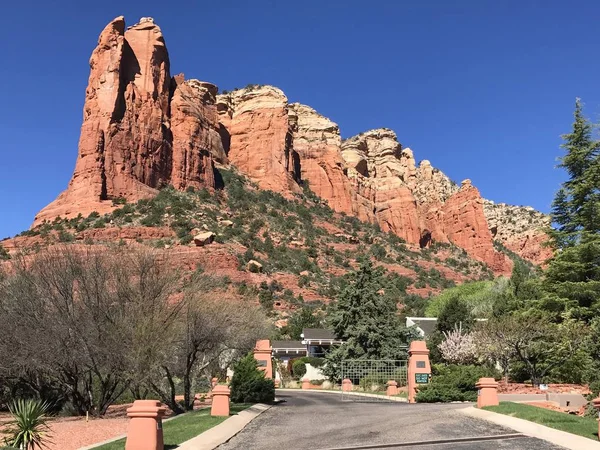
[
  {"x": 287, "y": 345},
  {"x": 318, "y": 334},
  {"x": 427, "y": 324}
]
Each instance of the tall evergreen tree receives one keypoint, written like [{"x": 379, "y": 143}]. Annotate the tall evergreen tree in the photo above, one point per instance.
[
  {"x": 576, "y": 207},
  {"x": 573, "y": 275},
  {"x": 367, "y": 319}
]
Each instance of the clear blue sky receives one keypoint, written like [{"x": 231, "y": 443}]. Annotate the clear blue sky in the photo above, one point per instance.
[{"x": 481, "y": 88}]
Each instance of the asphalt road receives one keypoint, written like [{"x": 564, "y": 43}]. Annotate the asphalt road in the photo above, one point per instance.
[{"x": 321, "y": 421}]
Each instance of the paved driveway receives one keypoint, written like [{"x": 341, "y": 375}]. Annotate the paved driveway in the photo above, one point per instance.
[{"x": 321, "y": 421}]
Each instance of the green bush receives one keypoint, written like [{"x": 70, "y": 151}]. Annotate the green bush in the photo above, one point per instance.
[
  {"x": 3, "y": 253},
  {"x": 453, "y": 383},
  {"x": 248, "y": 384},
  {"x": 299, "y": 368}
]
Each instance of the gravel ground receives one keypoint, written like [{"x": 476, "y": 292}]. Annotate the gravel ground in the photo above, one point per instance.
[{"x": 315, "y": 421}]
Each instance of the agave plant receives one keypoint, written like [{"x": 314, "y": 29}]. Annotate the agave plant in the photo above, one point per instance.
[{"x": 28, "y": 428}]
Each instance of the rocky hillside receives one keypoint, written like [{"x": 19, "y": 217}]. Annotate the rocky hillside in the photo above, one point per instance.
[{"x": 144, "y": 129}]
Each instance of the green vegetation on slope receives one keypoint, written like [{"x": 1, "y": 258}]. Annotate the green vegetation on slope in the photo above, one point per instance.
[
  {"x": 479, "y": 296},
  {"x": 582, "y": 426},
  {"x": 284, "y": 235}
]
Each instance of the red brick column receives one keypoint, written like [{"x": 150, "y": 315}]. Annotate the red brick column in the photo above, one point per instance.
[
  {"x": 419, "y": 369},
  {"x": 145, "y": 426},
  {"x": 262, "y": 353}
]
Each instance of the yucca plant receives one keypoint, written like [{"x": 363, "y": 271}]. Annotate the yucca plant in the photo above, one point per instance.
[{"x": 28, "y": 428}]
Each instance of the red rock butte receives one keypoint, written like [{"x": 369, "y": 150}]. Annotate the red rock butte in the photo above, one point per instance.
[{"x": 143, "y": 129}]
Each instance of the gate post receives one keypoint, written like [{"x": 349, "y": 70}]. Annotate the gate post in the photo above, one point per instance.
[
  {"x": 145, "y": 427},
  {"x": 262, "y": 353},
  {"x": 487, "y": 392},
  {"x": 220, "y": 403},
  {"x": 392, "y": 388},
  {"x": 347, "y": 385},
  {"x": 419, "y": 369}
]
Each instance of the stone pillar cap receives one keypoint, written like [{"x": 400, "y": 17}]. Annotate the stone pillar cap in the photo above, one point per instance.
[
  {"x": 486, "y": 382},
  {"x": 418, "y": 348},
  {"x": 392, "y": 383},
  {"x": 346, "y": 380},
  {"x": 221, "y": 389},
  {"x": 146, "y": 408}
]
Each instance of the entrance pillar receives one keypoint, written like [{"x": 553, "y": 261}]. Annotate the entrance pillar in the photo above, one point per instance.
[
  {"x": 220, "y": 403},
  {"x": 487, "y": 392},
  {"x": 262, "y": 353},
  {"x": 419, "y": 369},
  {"x": 145, "y": 426}
]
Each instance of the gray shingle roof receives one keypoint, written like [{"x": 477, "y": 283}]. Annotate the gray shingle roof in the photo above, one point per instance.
[{"x": 317, "y": 334}]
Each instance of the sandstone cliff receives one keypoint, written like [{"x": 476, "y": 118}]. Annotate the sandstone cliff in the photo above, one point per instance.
[
  {"x": 520, "y": 229},
  {"x": 143, "y": 129},
  {"x": 127, "y": 146}
]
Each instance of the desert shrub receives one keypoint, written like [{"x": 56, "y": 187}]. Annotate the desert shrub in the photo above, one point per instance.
[
  {"x": 313, "y": 361},
  {"x": 453, "y": 383},
  {"x": 248, "y": 384},
  {"x": 299, "y": 368},
  {"x": 4, "y": 255}
]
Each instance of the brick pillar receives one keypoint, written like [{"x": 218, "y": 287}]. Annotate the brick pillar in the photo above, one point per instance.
[
  {"x": 262, "y": 353},
  {"x": 487, "y": 392},
  {"x": 145, "y": 426},
  {"x": 220, "y": 403},
  {"x": 392, "y": 388},
  {"x": 305, "y": 383},
  {"x": 346, "y": 385},
  {"x": 419, "y": 369}
]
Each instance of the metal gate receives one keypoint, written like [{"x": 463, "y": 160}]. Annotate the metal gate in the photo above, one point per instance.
[{"x": 369, "y": 380}]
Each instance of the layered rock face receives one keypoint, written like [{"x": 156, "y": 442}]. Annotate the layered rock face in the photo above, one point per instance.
[
  {"x": 381, "y": 175},
  {"x": 255, "y": 126},
  {"x": 143, "y": 129},
  {"x": 127, "y": 146},
  {"x": 520, "y": 229},
  {"x": 316, "y": 139}
]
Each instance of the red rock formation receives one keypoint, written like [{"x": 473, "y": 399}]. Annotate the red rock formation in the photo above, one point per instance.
[
  {"x": 196, "y": 138},
  {"x": 317, "y": 141},
  {"x": 258, "y": 137},
  {"x": 142, "y": 130},
  {"x": 466, "y": 226},
  {"x": 127, "y": 144}
]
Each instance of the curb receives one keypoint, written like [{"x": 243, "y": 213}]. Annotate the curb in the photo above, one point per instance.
[
  {"x": 354, "y": 394},
  {"x": 223, "y": 432},
  {"x": 557, "y": 437}
]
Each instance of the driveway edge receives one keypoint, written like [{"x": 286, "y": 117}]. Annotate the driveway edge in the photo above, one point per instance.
[
  {"x": 356, "y": 394},
  {"x": 557, "y": 437},
  {"x": 223, "y": 432}
]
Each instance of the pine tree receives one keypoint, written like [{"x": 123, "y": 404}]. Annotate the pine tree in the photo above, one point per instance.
[
  {"x": 367, "y": 319},
  {"x": 573, "y": 276},
  {"x": 576, "y": 207}
]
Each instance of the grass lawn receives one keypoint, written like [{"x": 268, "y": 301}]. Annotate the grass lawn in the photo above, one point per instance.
[
  {"x": 184, "y": 427},
  {"x": 583, "y": 426}
]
